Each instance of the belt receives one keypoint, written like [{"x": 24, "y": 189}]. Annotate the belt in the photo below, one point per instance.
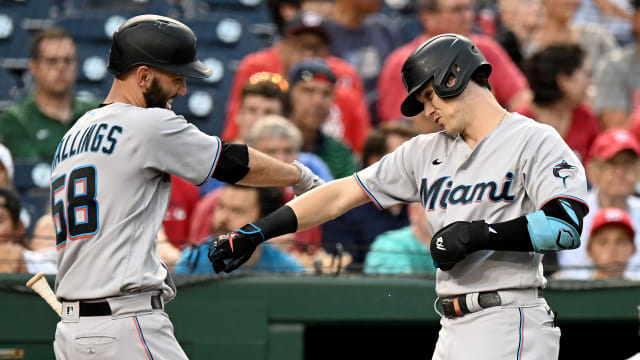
[
  {"x": 103, "y": 309},
  {"x": 461, "y": 305}
]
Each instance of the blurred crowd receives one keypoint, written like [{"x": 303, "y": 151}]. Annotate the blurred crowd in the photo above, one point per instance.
[{"x": 328, "y": 92}]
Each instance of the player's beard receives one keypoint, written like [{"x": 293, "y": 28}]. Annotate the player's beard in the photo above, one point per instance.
[{"x": 155, "y": 95}]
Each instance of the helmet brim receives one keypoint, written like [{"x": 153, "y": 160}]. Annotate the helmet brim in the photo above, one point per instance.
[
  {"x": 195, "y": 69},
  {"x": 411, "y": 106}
]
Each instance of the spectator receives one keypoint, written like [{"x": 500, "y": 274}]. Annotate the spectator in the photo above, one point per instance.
[
  {"x": 557, "y": 27},
  {"x": 517, "y": 19},
  {"x": 611, "y": 243},
  {"x": 6, "y": 167},
  {"x": 305, "y": 37},
  {"x": 177, "y": 219},
  {"x": 450, "y": 16},
  {"x": 32, "y": 128},
  {"x": 275, "y": 136},
  {"x": 12, "y": 233},
  {"x": 42, "y": 255},
  {"x": 617, "y": 80},
  {"x": 403, "y": 251},
  {"x": 311, "y": 95},
  {"x": 613, "y": 15},
  {"x": 364, "y": 38},
  {"x": 322, "y": 7},
  {"x": 169, "y": 254},
  {"x": 237, "y": 206},
  {"x": 614, "y": 171},
  {"x": 356, "y": 229},
  {"x": 559, "y": 78},
  {"x": 264, "y": 94},
  {"x": 278, "y": 137}
]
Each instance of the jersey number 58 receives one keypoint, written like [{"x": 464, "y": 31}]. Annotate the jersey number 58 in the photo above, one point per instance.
[{"x": 79, "y": 218}]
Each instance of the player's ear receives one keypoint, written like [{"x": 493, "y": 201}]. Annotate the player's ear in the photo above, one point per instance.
[{"x": 144, "y": 76}]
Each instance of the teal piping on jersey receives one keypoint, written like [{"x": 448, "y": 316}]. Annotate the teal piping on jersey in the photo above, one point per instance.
[
  {"x": 369, "y": 194},
  {"x": 215, "y": 164},
  {"x": 570, "y": 198},
  {"x": 144, "y": 343},
  {"x": 520, "y": 335}
]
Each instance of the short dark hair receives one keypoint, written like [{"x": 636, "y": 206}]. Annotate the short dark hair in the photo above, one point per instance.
[
  {"x": 542, "y": 70},
  {"x": 376, "y": 142},
  {"x": 266, "y": 89},
  {"x": 274, "y": 11},
  {"x": 269, "y": 198},
  {"x": 10, "y": 199},
  {"x": 481, "y": 78},
  {"x": 635, "y": 4},
  {"x": 47, "y": 34},
  {"x": 427, "y": 5}
]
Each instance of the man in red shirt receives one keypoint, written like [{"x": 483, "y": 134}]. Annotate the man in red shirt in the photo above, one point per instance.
[
  {"x": 305, "y": 37},
  {"x": 177, "y": 219},
  {"x": 451, "y": 16}
]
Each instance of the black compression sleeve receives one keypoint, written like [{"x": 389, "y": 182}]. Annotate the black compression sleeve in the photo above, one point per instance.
[
  {"x": 233, "y": 164},
  {"x": 280, "y": 222},
  {"x": 511, "y": 235}
]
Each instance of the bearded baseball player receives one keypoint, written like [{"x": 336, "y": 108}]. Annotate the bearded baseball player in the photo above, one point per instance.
[
  {"x": 110, "y": 189},
  {"x": 498, "y": 190}
]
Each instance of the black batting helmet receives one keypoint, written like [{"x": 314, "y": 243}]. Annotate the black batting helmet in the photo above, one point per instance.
[
  {"x": 438, "y": 58},
  {"x": 156, "y": 41}
]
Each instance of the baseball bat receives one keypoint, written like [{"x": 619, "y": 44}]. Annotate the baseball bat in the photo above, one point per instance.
[{"x": 40, "y": 285}]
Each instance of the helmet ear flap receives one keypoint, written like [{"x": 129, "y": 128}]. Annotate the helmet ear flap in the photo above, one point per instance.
[{"x": 113, "y": 65}]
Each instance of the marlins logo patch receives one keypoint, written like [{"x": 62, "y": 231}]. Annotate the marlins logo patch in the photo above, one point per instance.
[{"x": 564, "y": 171}]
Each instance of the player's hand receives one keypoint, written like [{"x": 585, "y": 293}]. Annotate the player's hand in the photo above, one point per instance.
[
  {"x": 237, "y": 246},
  {"x": 455, "y": 241},
  {"x": 307, "y": 181}
]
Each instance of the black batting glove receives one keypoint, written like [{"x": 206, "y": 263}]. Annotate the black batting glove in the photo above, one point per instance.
[
  {"x": 455, "y": 241},
  {"x": 236, "y": 246}
]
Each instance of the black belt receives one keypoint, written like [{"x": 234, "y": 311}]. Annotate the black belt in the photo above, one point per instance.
[
  {"x": 456, "y": 306},
  {"x": 102, "y": 308}
]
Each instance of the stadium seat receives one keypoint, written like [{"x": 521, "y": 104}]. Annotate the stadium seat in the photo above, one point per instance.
[
  {"x": 96, "y": 28},
  {"x": 14, "y": 39},
  {"x": 92, "y": 63},
  {"x": 229, "y": 37},
  {"x": 254, "y": 10},
  {"x": 8, "y": 85},
  {"x": 205, "y": 107}
]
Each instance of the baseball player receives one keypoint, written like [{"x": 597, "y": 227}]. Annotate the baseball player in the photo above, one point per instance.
[
  {"x": 498, "y": 190},
  {"x": 111, "y": 185}
]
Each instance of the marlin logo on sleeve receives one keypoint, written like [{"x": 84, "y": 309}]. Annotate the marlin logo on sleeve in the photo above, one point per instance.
[{"x": 564, "y": 171}]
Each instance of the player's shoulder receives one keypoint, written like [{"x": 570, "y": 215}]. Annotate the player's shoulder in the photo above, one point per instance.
[
  {"x": 427, "y": 142},
  {"x": 142, "y": 114},
  {"x": 524, "y": 128}
]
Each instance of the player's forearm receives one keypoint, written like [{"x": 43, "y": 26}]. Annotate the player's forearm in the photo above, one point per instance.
[
  {"x": 327, "y": 202},
  {"x": 268, "y": 171}
]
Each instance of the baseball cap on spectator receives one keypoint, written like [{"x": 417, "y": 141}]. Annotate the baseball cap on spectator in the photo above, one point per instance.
[
  {"x": 311, "y": 69},
  {"x": 610, "y": 216},
  {"x": 7, "y": 161},
  {"x": 307, "y": 21},
  {"x": 611, "y": 142}
]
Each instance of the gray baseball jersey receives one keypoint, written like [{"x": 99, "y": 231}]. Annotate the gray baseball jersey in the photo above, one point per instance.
[
  {"x": 513, "y": 171},
  {"x": 110, "y": 188}
]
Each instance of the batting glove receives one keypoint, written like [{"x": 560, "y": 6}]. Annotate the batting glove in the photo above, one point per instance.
[
  {"x": 455, "y": 241},
  {"x": 307, "y": 181},
  {"x": 237, "y": 246}
]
